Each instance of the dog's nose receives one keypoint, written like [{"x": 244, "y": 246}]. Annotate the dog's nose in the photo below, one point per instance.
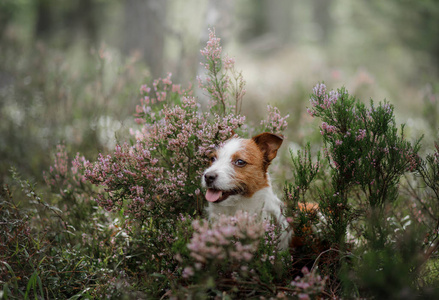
[{"x": 210, "y": 177}]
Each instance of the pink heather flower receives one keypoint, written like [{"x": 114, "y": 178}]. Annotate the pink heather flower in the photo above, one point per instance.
[
  {"x": 274, "y": 123},
  {"x": 223, "y": 84},
  {"x": 176, "y": 88},
  {"x": 213, "y": 49},
  {"x": 167, "y": 80},
  {"x": 314, "y": 102},
  {"x": 228, "y": 62},
  {"x": 322, "y": 99},
  {"x": 388, "y": 108},
  {"x": 320, "y": 90},
  {"x": 233, "y": 238},
  {"x": 188, "y": 272},
  {"x": 161, "y": 90},
  {"x": 361, "y": 135},
  {"x": 139, "y": 109},
  {"x": 303, "y": 296},
  {"x": 333, "y": 97},
  {"x": 328, "y": 128},
  {"x": 158, "y": 164},
  {"x": 60, "y": 177},
  {"x": 145, "y": 89},
  {"x": 309, "y": 284}
]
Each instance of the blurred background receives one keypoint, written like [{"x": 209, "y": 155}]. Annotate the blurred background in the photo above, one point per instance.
[{"x": 70, "y": 71}]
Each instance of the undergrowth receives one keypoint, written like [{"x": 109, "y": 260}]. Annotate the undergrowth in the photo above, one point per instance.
[{"x": 130, "y": 223}]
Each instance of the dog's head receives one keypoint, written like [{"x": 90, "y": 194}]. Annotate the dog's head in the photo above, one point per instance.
[{"x": 239, "y": 167}]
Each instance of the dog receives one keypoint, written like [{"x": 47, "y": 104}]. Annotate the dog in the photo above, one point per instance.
[{"x": 238, "y": 180}]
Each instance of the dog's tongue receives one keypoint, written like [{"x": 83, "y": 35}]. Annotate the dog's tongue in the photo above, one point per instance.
[{"x": 213, "y": 195}]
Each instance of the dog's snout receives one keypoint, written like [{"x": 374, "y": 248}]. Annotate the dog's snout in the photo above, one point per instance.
[{"x": 210, "y": 177}]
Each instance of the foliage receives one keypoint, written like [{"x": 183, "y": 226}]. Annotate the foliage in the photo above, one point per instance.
[
  {"x": 48, "y": 96},
  {"x": 37, "y": 263},
  {"x": 224, "y": 85},
  {"x": 130, "y": 223},
  {"x": 357, "y": 188},
  {"x": 160, "y": 172}
]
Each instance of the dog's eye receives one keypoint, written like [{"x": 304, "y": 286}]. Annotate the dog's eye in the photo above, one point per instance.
[
  {"x": 212, "y": 159},
  {"x": 240, "y": 163}
]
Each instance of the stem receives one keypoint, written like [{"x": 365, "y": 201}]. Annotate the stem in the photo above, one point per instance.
[{"x": 217, "y": 87}]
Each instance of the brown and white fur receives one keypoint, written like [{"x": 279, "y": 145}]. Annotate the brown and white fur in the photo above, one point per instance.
[{"x": 238, "y": 180}]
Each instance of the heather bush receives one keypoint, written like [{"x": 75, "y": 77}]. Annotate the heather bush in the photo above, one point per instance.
[
  {"x": 224, "y": 85},
  {"x": 130, "y": 223},
  {"x": 365, "y": 155},
  {"x": 159, "y": 172},
  {"x": 361, "y": 235},
  {"x": 153, "y": 182},
  {"x": 428, "y": 202},
  {"x": 225, "y": 251},
  {"x": 239, "y": 256}
]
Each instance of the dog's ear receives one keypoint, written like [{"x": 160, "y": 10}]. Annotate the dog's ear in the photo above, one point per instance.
[{"x": 269, "y": 143}]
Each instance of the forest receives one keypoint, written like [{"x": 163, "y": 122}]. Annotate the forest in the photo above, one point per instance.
[{"x": 109, "y": 110}]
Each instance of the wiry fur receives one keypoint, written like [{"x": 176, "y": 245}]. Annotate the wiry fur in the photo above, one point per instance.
[{"x": 248, "y": 187}]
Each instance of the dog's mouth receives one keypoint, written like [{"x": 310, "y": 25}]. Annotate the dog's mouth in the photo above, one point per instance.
[{"x": 214, "y": 195}]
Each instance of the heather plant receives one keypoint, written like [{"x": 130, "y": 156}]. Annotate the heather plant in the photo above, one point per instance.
[
  {"x": 58, "y": 250},
  {"x": 224, "y": 85},
  {"x": 130, "y": 223},
  {"x": 35, "y": 263},
  {"x": 159, "y": 173},
  {"x": 303, "y": 217},
  {"x": 428, "y": 170},
  {"x": 304, "y": 172},
  {"x": 239, "y": 256},
  {"x": 274, "y": 123},
  {"x": 15, "y": 241},
  {"x": 138, "y": 240},
  {"x": 113, "y": 240},
  {"x": 153, "y": 182},
  {"x": 423, "y": 206},
  {"x": 311, "y": 284},
  {"x": 223, "y": 250},
  {"x": 365, "y": 154},
  {"x": 356, "y": 187},
  {"x": 74, "y": 195}
]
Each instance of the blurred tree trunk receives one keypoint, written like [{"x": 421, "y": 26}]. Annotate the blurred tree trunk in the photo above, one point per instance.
[
  {"x": 415, "y": 23},
  {"x": 145, "y": 25},
  {"x": 7, "y": 14},
  {"x": 85, "y": 19},
  {"x": 267, "y": 24},
  {"x": 66, "y": 22},
  {"x": 322, "y": 16},
  {"x": 44, "y": 20},
  {"x": 279, "y": 18}
]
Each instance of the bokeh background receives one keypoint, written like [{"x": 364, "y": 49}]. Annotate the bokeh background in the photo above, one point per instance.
[{"x": 70, "y": 71}]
